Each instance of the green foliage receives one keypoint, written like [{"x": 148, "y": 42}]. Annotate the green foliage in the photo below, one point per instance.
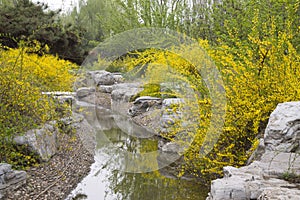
[
  {"x": 260, "y": 70},
  {"x": 150, "y": 89},
  {"x": 258, "y": 73},
  {"x": 24, "y": 19},
  {"x": 290, "y": 177},
  {"x": 154, "y": 90},
  {"x": 255, "y": 45},
  {"x": 104, "y": 18}
]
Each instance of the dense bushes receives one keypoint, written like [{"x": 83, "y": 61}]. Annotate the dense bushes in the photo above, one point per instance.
[
  {"x": 258, "y": 73},
  {"x": 24, "y": 19},
  {"x": 23, "y": 78}
]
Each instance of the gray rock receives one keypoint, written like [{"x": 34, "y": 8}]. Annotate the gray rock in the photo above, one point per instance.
[
  {"x": 125, "y": 91},
  {"x": 103, "y": 78},
  {"x": 42, "y": 142},
  {"x": 105, "y": 88},
  {"x": 170, "y": 115},
  {"x": 144, "y": 104},
  {"x": 84, "y": 92},
  {"x": 277, "y": 154},
  {"x": 118, "y": 78},
  {"x": 251, "y": 182},
  {"x": 66, "y": 99},
  {"x": 10, "y": 179},
  {"x": 69, "y": 124},
  {"x": 283, "y": 130},
  {"x": 126, "y": 85}
]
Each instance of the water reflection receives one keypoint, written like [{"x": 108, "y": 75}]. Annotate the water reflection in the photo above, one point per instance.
[{"x": 107, "y": 181}]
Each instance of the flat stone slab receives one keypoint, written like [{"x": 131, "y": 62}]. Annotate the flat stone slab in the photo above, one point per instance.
[{"x": 10, "y": 179}]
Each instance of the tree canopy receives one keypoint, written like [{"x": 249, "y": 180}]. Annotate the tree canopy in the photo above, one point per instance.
[{"x": 24, "y": 20}]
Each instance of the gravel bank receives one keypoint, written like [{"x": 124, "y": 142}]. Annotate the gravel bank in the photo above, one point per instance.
[{"x": 58, "y": 177}]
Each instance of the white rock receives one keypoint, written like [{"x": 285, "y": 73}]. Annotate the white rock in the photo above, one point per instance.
[
  {"x": 261, "y": 179},
  {"x": 283, "y": 130},
  {"x": 172, "y": 101},
  {"x": 103, "y": 78},
  {"x": 84, "y": 92},
  {"x": 41, "y": 141},
  {"x": 105, "y": 88}
]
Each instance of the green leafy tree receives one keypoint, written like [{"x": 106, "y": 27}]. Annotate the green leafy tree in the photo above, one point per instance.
[
  {"x": 26, "y": 20},
  {"x": 104, "y": 18}
]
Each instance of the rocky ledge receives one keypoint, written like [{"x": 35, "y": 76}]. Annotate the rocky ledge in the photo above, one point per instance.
[
  {"x": 274, "y": 172},
  {"x": 66, "y": 161}
]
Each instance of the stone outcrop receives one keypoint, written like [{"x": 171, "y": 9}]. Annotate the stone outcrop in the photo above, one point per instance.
[
  {"x": 10, "y": 179},
  {"x": 62, "y": 97},
  {"x": 277, "y": 157},
  {"x": 84, "y": 92},
  {"x": 42, "y": 141},
  {"x": 283, "y": 131},
  {"x": 143, "y": 104},
  {"x": 102, "y": 77},
  {"x": 105, "y": 88},
  {"x": 125, "y": 91}
]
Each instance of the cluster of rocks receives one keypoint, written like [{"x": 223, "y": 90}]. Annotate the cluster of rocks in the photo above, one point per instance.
[
  {"x": 156, "y": 115},
  {"x": 100, "y": 80},
  {"x": 277, "y": 157},
  {"x": 101, "y": 87},
  {"x": 45, "y": 142}
]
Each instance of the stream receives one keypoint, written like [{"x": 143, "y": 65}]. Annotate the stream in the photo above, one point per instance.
[{"x": 109, "y": 180}]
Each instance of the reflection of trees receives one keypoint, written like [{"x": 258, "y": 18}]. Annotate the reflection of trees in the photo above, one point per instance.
[
  {"x": 152, "y": 185},
  {"x": 148, "y": 186}
]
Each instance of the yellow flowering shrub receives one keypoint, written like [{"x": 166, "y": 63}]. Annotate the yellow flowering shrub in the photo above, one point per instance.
[
  {"x": 258, "y": 74},
  {"x": 23, "y": 78}
]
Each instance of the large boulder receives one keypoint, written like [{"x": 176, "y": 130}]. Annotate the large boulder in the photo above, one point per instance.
[
  {"x": 42, "y": 141},
  {"x": 10, "y": 179},
  {"x": 283, "y": 131},
  {"x": 103, "y": 78},
  {"x": 125, "y": 91},
  {"x": 276, "y": 158},
  {"x": 258, "y": 179}
]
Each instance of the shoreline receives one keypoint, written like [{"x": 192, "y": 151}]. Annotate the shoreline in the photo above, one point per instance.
[{"x": 56, "y": 178}]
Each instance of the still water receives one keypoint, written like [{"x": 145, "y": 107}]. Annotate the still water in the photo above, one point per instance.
[{"x": 109, "y": 179}]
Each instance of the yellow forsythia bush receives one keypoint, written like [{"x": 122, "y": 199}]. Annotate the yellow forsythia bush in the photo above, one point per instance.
[
  {"x": 23, "y": 78},
  {"x": 257, "y": 75}
]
